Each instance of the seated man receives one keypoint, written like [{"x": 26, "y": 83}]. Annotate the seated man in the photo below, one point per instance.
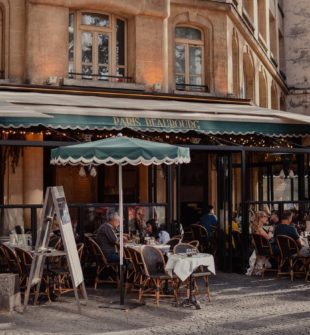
[
  {"x": 285, "y": 228},
  {"x": 107, "y": 238},
  {"x": 208, "y": 220}
]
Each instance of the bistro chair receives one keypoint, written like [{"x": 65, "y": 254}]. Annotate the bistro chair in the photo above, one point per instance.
[
  {"x": 4, "y": 265},
  {"x": 290, "y": 256},
  {"x": 173, "y": 242},
  {"x": 62, "y": 277},
  {"x": 262, "y": 249},
  {"x": 109, "y": 270},
  {"x": 156, "y": 277},
  {"x": 14, "y": 265},
  {"x": 200, "y": 234},
  {"x": 138, "y": 269},
  {"x": 195, "y": 244}
]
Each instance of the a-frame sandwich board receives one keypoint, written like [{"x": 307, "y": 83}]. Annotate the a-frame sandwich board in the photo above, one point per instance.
[{"x": 55, "y": 203}]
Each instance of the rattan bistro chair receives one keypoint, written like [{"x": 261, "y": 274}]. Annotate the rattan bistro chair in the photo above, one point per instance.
[
  {"x": 110, "y": 270},
  {"x": 156, "y": 277},
  {"x": 289, "y": 256},
  {"x": 263, "y": 248},
  {"x": 173, "y": 242},
  {"x": 183, "y": 247},
  {"x": 200, "y": 234}
]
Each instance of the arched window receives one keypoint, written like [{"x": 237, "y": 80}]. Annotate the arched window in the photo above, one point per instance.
[
  {"x": 235, "y": 65},
  {"x": 263, "y": 96},
  {"x": 189, "y": 58},
  {"x": 248, "y": 75},
  {"x": 97, "y": 45},
  {"x": 274, "y": 96}
]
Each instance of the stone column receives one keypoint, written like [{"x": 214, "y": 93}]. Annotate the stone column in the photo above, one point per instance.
[
  {"x": 33, "y": 175},
  {"x": 47, "y": 42},
  {"x": 149, "y": 50}
]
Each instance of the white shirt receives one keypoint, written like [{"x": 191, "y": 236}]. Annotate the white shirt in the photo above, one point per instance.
[{"x": 163, "y": 237}]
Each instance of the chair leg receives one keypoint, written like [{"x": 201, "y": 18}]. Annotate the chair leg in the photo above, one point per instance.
[
  {"x": 157, "y": 293},
  {"x": 291, "y": 269},
  {"x": 254, "y": 267},
  {"x": 207, "y": 288}
]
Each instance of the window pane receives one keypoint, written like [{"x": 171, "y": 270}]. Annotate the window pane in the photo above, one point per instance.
[
  {"x": 120, "y": 72},
  {"x": 70, "y": 70},
  {"x": 195, "y": 80},
  {"x": 71, "y": 38},
  {"x": 103, "y": 49},
  {"x": 195, "y": 60},
  {"x": 103, "y": 73},
  {"x": 188, "y": 33},
  {"x": 180, "y": 79},
  {"x": 120, "y": 42},
  {"x": 180, "y": 58},
  {"x": 87, "y": 71},
  {"x": 87, "y": 47},
  {"x": 98, "y": 20}
]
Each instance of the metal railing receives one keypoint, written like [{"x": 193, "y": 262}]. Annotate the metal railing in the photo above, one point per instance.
[
  {"x": 87, "y": 217},
  {"x": 191, "y": 87},
  {"x": 99, "y": 77}
]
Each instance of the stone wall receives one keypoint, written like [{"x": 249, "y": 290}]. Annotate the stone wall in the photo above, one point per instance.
[{"x": 297, "y": 54}]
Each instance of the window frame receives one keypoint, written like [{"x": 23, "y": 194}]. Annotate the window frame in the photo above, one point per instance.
[
  {"x": 187, "y": 43},
  {"x": 110, "y": 31}
]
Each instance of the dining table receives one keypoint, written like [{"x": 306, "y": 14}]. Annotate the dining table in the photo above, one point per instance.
[{"x": 183, "y": 265}]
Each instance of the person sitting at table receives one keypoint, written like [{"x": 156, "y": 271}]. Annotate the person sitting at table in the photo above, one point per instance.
[
  {"x": 209, "y": 220},
  {"x": 151, "y": 229},
  {"x": 287, "y": 229},
  {"x": 107, "y": 238},
  {"x": 163, "y": 235},
  {"x": 257, "y": 227}
]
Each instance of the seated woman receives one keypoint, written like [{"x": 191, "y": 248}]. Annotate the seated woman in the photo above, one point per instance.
[
  {"x": 160, "y": 234},
  {"x": 257, "y": 227}
]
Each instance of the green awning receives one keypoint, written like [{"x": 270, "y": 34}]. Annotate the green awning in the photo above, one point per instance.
[
  {"x": 151, "y": 124},
  {"x": 64, "y": 111}
]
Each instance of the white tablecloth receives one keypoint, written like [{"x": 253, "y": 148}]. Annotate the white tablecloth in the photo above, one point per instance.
[
  {"x": 138, "y": 247},
  {"x": 183, "y": 266}
]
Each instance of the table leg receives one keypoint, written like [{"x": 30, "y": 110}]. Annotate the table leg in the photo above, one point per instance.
[{"x": 191, "y": 300}]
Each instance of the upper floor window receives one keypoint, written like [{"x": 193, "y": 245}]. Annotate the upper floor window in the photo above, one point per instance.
[
  {"x": 189, "y": 58},
  {"x": 97, "y": 46}
]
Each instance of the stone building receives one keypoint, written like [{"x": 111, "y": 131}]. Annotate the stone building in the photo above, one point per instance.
[
  {"x": 297, "y": 54},
  {"x": 213, "y": 75}
]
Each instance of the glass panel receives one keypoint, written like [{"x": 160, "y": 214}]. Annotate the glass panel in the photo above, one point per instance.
[
  {"x": 70, "y": 70},
  {"x": 87, "y": 47},
  {"x": 195, "y": 80},
  {"x": 120, "y": 72},
  {"x": 103, "y": 73},
  {"x": 87, "y": 71},
  {"x": 188, "y": 33},
  {"x": 99, "y": 20},
  {"x": 120, "y": 42},
  {"x": 195, "y": 60},
  {"x": 180, "y": 58},
  {"x": 71, "y": 38},
  {"x": 180, "y": 79},
  {"x": 103, "y": 49}
]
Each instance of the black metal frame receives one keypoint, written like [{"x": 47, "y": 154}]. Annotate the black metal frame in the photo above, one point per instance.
[{"x": 85, "y": 76}]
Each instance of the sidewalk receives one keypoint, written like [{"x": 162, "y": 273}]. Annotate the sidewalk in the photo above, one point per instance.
[{"x": 240, "y": 305}]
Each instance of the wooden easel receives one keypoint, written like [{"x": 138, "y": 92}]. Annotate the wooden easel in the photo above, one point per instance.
[{"x": 55, "y": 202}]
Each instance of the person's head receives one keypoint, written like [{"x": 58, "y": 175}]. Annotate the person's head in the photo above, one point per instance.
[
  {"x": 286, "y": 217},
  {"x": 114, "y": 219},
  {"x": 260, "y": 219},
  {"x": 210, "y": 209},
  {"x": 274, "y": 219},
  {"x": 151, "y": 227}
]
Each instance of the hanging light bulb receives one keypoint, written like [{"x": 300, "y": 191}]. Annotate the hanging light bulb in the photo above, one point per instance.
[
  {"x": 93, "y": 172},
  {"x": 282, "y": 174},
  {"x": 82, "y": 172},
  {"x": 291, "y": 174}
]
